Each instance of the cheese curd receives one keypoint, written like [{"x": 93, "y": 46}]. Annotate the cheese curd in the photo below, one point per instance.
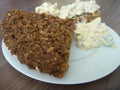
[
  {"x": 93, "y": 35},
  {"x": 48, "y": 8},
  {"x": 78, "y": 8}
]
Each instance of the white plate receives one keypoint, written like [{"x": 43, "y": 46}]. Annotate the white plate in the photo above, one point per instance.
[{"x": 84, "y": 66}]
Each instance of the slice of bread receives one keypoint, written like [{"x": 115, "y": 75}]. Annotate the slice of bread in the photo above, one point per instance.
[{"x": 38, "y": 40}]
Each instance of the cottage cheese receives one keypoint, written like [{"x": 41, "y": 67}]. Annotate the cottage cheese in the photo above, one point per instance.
[
  {"x": 78, "y": 8},
  {"x": 93, "y": 35},
  {"x": 70, "y": 10},
  {"x": 48, "y": 8}
]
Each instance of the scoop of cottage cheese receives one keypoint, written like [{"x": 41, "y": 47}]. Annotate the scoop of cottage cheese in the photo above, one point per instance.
[
  {"x": 78, "y": 8},
  {"x": 93, "y": 35},
  {"x": 68, "y": 11}
]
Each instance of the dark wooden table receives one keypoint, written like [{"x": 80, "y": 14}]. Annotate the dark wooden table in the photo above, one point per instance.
[{"x": 10, "y": 79}]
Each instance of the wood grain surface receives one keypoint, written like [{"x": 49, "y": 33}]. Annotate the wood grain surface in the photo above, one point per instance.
[{"x": 10, "y": 79}]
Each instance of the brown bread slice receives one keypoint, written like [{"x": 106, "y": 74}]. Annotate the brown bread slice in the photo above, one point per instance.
[{"x": 40, "y": 41}]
